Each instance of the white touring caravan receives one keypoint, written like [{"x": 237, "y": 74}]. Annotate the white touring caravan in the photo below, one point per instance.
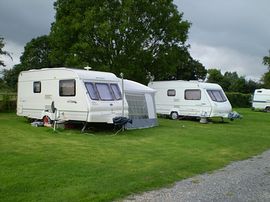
[
  {"x": 179, "y": 98},
  {"x": 261, "y": 99},
  {"x": 72, "y": 95}
]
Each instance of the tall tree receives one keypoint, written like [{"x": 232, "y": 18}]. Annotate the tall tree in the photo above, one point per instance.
[
  {"x": 11, "y": 76},
  {"x": 266, "y": 61},
  {"x": 251, "y": 86},
  {"x": 3, "y": 52},
  {"x": 129, "y": 36},
  {"x": 36, "y": 53},
  {"x": 35, "y": 56},
  {"x": 266, "y": 80},
  {"x": 214, "y": 76},
  {"x": 231, "y": 82},
  {"x": 190, "y": 69},
  {"x": 266, "y": 77}
]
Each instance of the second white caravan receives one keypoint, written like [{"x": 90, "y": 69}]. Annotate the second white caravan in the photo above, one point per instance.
[
  {"x": 179, "y": 98},
  {"x": 261, "y": 99}
]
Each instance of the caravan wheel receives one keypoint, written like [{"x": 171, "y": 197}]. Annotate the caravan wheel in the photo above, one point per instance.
[
  {"x": 46, "y": 121},
  {"x": 174, "y": 115},
  {"x": 267, "y": 109}
]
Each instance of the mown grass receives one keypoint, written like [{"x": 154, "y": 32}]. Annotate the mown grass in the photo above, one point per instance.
[{"x": 37, "y": 164}]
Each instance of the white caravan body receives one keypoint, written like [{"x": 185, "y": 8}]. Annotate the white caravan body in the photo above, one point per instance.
[
  {"x": 78, "y": 95},
  {"x": 261, "y": 99},
  {"x": 190, "y": 98}
]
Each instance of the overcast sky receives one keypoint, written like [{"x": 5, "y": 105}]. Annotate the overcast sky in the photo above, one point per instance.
[
  {"x": 21, "y": 21},
  {"x": 231, "y": 35}
]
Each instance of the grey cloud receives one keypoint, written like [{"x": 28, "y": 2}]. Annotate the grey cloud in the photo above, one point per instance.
[
  {"x": 241, "y": 27},
  {"x": 20, "y": 21},
  {"x": 240, "y": 24}
]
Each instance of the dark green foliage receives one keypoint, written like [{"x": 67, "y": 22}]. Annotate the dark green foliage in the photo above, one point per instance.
[
  {"x": 132, "y": 36},
  {"x": 266, "y": 80},
  {"x": 36, "y": 53},
  {"x": 190, "y": 69},
  {"x": 7, "y": 102},
  {"x": 239, "y": 99},
  {"x": 266, "y": 60},
  {"x": 214, "y": 76},
  {"x": 3, "y": 86},
  {"x": 231, "y": 82},
  {"x": 238, "y": 89},
  {"x": 252, "y": 85},
  {"x": 266, "y": 77},
  {"x": 11, "y": 76}
]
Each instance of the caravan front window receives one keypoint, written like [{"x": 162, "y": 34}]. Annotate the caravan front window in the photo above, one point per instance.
[
  {"x": 217, "y": 95},
  {"x": 92, "y": 91},
  {"x": 116, "y": 91},
  {"x": 104, "y": 91}
]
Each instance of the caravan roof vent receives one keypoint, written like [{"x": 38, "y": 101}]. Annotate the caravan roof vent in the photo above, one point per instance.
[{"x": 87, "y": 68}]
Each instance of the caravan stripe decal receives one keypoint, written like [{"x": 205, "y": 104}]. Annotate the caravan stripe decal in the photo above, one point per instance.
[{"x": 260, "y": 101}]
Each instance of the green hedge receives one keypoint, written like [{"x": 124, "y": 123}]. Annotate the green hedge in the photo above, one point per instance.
[
  {"x": 239, "y": 99},
  {"x": 8, "y": 102}
]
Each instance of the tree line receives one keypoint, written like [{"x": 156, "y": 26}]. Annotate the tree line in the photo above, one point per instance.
[
  {"x": 134, "y": 37},
  {"x": 232, "y": 82}
]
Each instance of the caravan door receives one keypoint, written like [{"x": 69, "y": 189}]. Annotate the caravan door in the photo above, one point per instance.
[
  {"x": 195, "y": 103},
  {"x": 71, "y": 104}
]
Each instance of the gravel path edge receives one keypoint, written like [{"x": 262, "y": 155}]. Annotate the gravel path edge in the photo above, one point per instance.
[{"x": 247, "y": 180}]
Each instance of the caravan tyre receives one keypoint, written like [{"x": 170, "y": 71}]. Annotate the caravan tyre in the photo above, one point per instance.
[
  {"x": 267, "y": 109},
  {"x": 174, "y": 115}
]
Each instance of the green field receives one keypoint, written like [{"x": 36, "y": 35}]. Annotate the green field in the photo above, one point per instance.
[{"x": 37, "y": 164}]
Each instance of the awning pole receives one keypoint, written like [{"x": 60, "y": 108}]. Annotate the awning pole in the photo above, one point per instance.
[{"x": 123, "y": 94}]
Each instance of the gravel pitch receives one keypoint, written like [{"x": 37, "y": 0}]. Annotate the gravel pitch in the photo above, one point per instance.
[{"x": 247, "y": 180}]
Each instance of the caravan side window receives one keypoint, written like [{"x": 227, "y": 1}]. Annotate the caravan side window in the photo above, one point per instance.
[
  {"x": 92, "y": 91},
  {"x": 67, "y": 87},
  {"x": 37, "y": 87},
  {"x": 171, "y": 92},
  {"x": 193, "y": 94}
]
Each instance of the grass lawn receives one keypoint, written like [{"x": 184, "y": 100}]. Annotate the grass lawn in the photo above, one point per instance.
[{"x": 37, "y": 164}]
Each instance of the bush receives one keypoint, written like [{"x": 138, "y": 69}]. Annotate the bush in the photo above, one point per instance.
[
  {"x": 239, "y": 99},
  {"x": 7, "y": 102}
]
